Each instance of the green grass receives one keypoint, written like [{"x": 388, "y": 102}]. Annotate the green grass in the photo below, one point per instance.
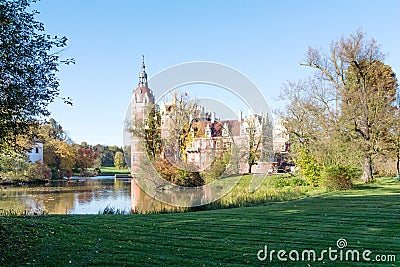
[
  {"x": 275, "y": 188},
  {"x": 110, "y": 171},
  {"x": 368, "y": 218}
]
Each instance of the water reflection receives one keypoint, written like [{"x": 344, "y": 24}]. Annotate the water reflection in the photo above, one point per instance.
[
  {"x": 143, "y": 203},
  {"x": 79, "y": 196}
]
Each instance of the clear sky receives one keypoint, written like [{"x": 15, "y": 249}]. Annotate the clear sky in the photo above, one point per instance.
[{"x": 265, "y": 40}]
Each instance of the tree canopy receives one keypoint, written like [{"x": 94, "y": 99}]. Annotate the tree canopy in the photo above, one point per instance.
[
  {"x": 345, "y": 111},
  {"x": 29, "y": 60}
]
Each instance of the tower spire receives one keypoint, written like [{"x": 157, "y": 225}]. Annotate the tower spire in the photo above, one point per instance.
[
  {"x": 143, "y": 75},
  {"x": 143, "y": 66}
]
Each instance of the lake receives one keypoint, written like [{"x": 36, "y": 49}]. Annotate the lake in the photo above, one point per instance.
[{"x": 78, "y": 195}]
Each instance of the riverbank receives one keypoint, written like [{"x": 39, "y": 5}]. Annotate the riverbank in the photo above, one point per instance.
[{"x": 367, "y": 218}]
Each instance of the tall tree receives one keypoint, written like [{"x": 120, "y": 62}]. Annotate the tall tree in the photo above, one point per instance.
[
  {"x": 59, "y": 156},
  {"x": 363, "y": 91},
  {"x": 253, "y": 127},
  {"x": 152, "y": 132},
  {"x": 368, "y": 106},
  {"x": 85, "y": 157},
  {"x": 119, "y": 161},
  {"x": 58, "y": 153},
  {"x": 28, "y": 63},
  {"x": 182, "y": 114},
  {"x": 312, "y": 120}
]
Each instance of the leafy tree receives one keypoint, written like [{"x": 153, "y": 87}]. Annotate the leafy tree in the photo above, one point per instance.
[
  {"x": 339, "y": 177},
  {"x": 179, "y": 124},
  {"x": 309, "y": 167},
  {"x": 153, "y": 133},
  {"x": 367, "y": 105},
  {"x": 104, "y": 157},
  {"x": 119, "y": 160},
  {"x": 51, "y": 130},
  {"x": 314, "y": 124},
  {"x": 59, "y": 156},
  {"x": 343, "y": 112},
  {"x": 28, "y": 63},
  {"x": 85, "y": 157},
  {"x": 58, "y": 152},
  {"x": 12, "y": 162},
  {"x": 258, "y": 133}
]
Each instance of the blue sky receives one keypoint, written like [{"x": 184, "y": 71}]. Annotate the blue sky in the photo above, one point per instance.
[{"x": 265, "y": 40}]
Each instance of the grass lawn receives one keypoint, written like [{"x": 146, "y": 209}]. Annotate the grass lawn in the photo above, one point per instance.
[
  {"x": 110, "y": 171},
  {"x": 368, "y": 218}
]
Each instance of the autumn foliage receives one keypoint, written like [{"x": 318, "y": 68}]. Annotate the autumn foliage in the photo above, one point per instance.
[{"x": 85, "y": 157}]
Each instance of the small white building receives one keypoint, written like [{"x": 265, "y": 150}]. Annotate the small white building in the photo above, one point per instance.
[{"x": 36, "y": 153}]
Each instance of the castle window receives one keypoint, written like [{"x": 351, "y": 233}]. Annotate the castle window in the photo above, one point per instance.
[
  {"x": 37, "y": 150},
  {"x": 133, "y": 158}
]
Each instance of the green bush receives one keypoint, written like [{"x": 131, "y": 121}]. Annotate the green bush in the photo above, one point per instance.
[
  {"x": 14, "y": 168},
  {"x": 185, "y": 175},
  {"x": 38, "y": 171},
  {"x": 278, "y": 181},
  {"x": 283, "y": 181},
  {"x": 297, "y": 181},
  {"x": 217, "y": 168},
  {"x": 339, "y": 177},
  {"x": 310, "y": 169}
]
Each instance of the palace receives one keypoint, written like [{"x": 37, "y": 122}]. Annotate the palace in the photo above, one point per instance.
[{"x": 209, "y": 136}]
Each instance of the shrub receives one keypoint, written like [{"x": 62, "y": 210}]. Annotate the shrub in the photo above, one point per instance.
[
  {"x": 185, "y": 175},
  {"x": 309, "y": 167},
  {"x": 278, "y": 181},
  {"x": 339, "y": 177},
  {"x": 37, "y": 172},
  {"x": 218, "y": 168},
  {"x": 297, "y": 181},
  {"x": 25, "y": 172}
]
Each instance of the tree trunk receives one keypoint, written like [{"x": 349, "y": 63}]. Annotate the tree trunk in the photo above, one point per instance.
[
  {"x": 367, "y": 169},
  {"x": 250, "y": 168}
]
